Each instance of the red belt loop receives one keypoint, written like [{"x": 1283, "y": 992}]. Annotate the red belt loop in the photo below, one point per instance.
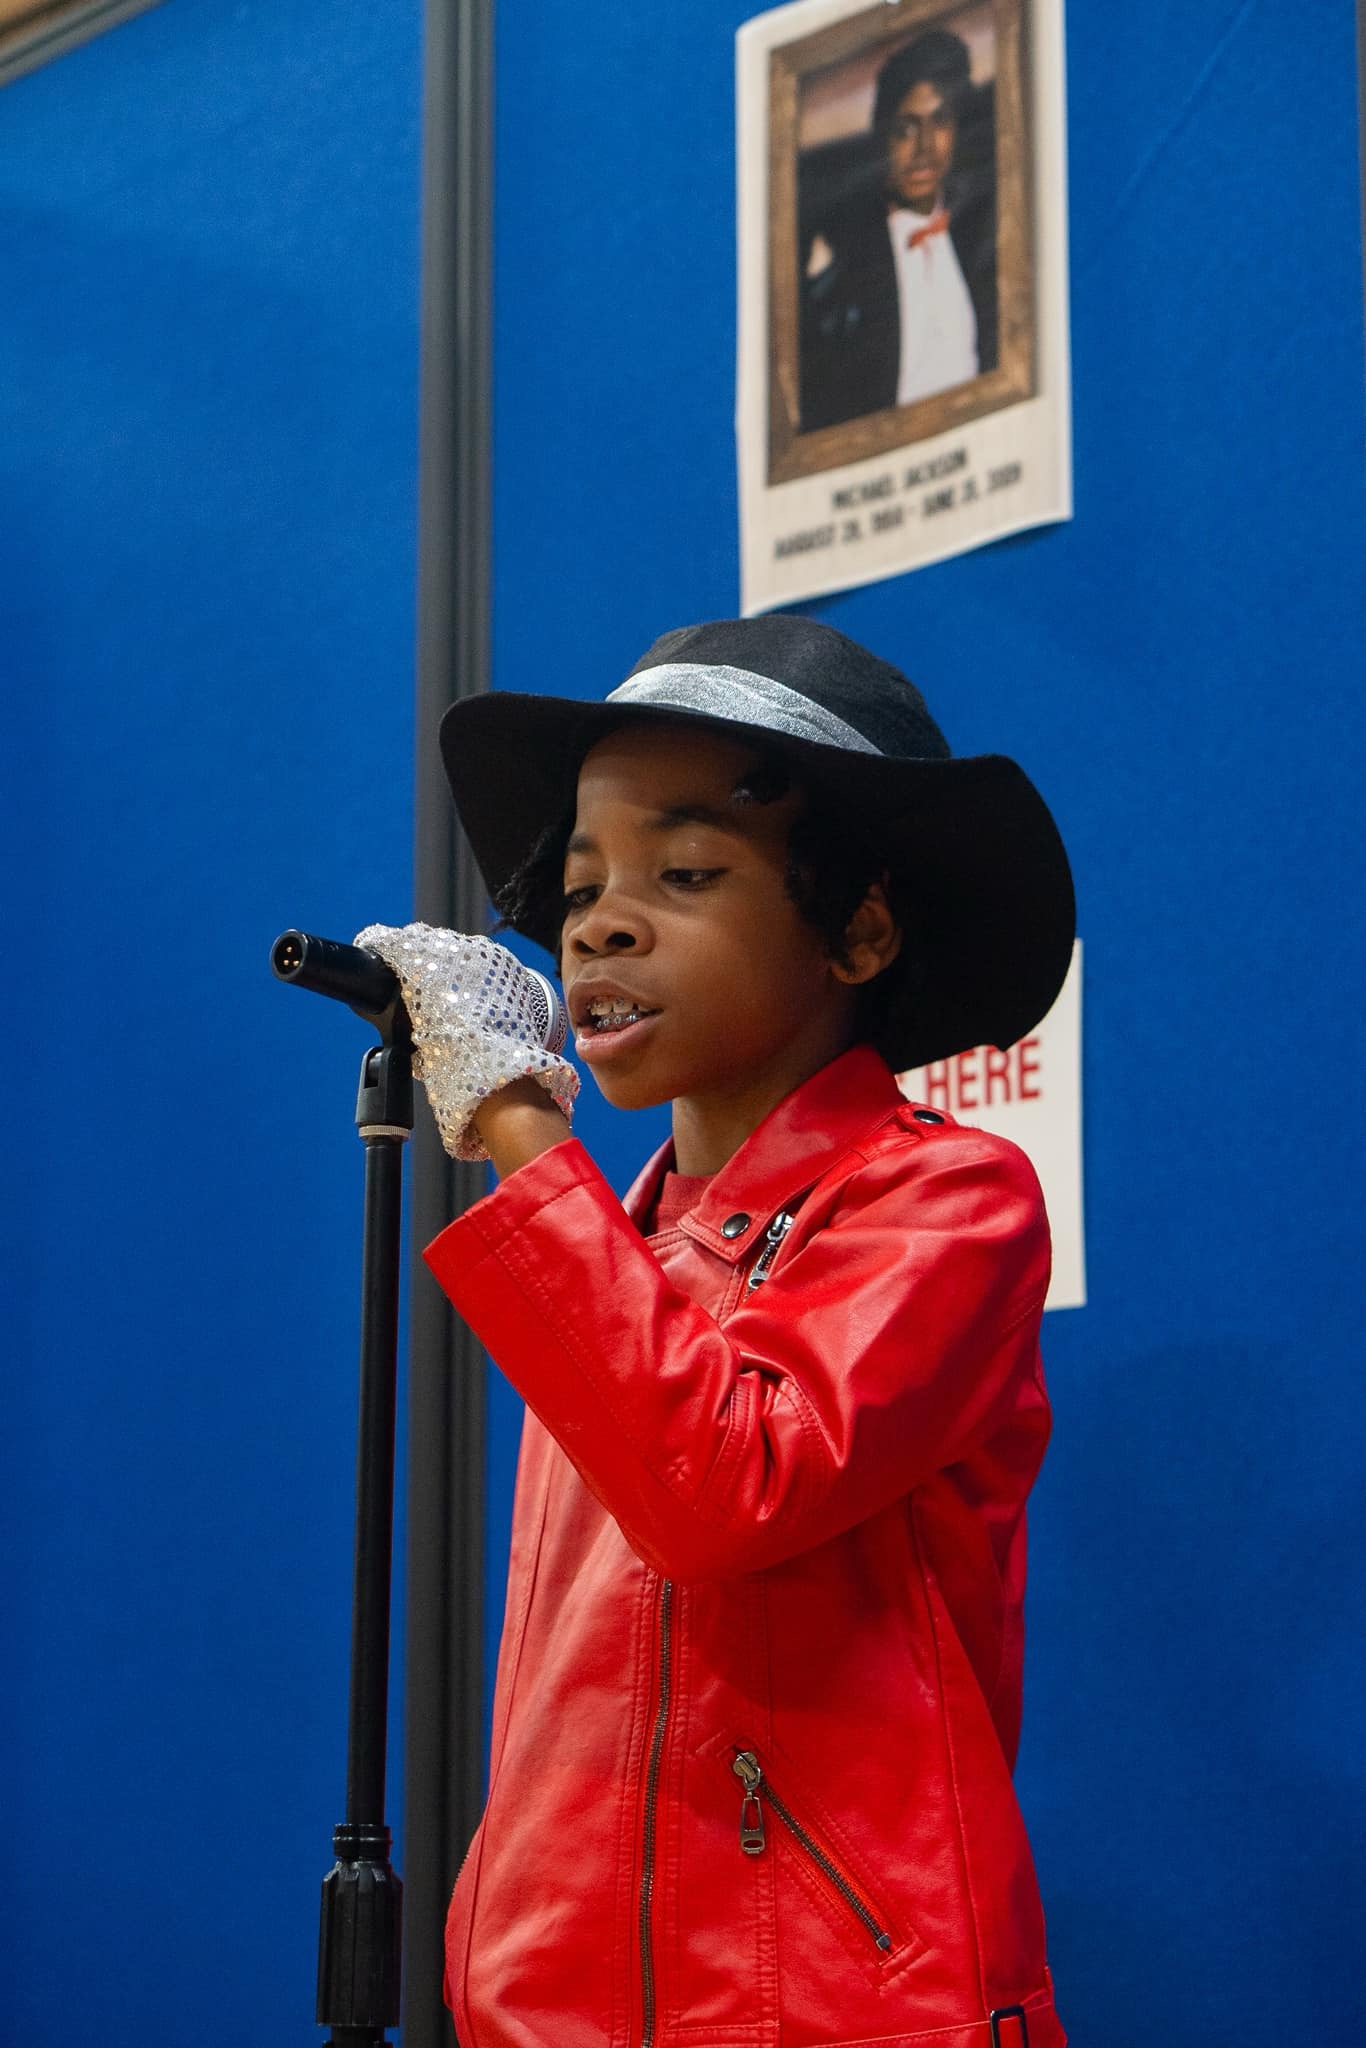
[{"x": 1012, "y": 2039}]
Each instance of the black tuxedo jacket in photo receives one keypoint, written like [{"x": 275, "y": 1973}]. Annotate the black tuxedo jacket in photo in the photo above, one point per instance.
[{"x": 849, "y": 330}]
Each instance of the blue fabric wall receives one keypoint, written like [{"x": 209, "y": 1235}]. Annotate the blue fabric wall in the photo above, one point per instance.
[
  {"x": 207, "y": 470},
  {"x": 208, "y": 241},
  {"x": 1180, "y": 668}
]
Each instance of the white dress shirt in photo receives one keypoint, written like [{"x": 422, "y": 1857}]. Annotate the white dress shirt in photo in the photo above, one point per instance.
[{"x": 938, "y": 325}]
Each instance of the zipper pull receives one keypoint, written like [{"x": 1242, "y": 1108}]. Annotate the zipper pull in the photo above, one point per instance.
[
  {"x": 777, "y": 1231},
  {"x": 752, "y": 1837}
]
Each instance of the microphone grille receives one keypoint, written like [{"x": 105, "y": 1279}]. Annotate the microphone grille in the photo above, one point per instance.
[{"x": 547, "y": 1012}]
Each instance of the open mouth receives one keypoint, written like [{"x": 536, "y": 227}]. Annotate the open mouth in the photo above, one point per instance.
[{"x": 606, "y": 1014}]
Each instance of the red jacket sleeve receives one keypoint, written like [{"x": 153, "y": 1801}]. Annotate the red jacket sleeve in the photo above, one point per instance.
[{"x": 901, "y": 1313}]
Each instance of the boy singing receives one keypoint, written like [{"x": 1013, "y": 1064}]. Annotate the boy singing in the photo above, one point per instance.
[{"x": 758, "y": 1695}]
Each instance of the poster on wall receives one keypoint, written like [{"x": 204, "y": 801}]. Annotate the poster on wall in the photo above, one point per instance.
[
  {"x": 34, "y": 31},
  {"x": 903, "y": 383},
  {"x": 1031, "y": 1094}
]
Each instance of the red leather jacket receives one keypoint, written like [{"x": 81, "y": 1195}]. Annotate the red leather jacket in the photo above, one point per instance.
[{"x": 759, "y": 1687}]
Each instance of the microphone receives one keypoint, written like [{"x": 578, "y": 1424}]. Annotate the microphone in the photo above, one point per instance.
[{"x": 356, "y": 976}]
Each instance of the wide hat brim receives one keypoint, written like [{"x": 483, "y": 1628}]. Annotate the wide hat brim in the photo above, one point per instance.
[{"x": 982, "y": 857}]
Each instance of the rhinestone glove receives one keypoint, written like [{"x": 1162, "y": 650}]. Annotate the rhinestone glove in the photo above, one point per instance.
[{"x": 476, "y": 1015}]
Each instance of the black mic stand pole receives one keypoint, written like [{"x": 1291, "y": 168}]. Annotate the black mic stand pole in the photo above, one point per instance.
[{"x": 362, "y": 1898}]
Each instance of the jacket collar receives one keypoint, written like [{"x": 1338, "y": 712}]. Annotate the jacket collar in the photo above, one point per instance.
[{"x": 784, "y": 1156}]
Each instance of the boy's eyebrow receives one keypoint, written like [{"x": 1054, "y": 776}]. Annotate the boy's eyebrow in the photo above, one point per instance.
[
  {"x": 667, "y": 821},
  {"x": 695, "y": 814}
]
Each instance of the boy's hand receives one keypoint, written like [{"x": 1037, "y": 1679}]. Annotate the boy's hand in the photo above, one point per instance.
[{"x": 474, "y": 1010}]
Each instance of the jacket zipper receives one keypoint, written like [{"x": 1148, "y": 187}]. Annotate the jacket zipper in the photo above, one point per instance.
[
  {"x": 777, "y": 1231},
  {"x": 647, "y": 1855},
  {"x": 753, "y": 1840}
]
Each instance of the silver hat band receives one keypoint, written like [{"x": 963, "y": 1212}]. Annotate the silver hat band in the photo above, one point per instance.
[{"x": 745, "y": 698}]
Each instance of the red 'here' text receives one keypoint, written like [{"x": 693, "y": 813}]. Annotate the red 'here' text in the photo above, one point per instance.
[{"x": 981, "y": 1078}]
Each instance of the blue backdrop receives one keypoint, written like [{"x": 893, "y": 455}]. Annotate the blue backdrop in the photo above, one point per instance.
[
  {"x": 207, "y": 444},
  {"x": 208, "y": 364}
]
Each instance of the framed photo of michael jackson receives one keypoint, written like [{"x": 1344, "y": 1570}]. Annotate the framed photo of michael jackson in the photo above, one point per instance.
[
  {"x": 901, "y": 296},
  {"x": 32, "y": 32},
  {"x": 892, "y": 215}
]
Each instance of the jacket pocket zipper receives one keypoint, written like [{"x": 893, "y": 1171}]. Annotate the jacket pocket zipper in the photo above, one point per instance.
[
  {"x": 777, "y": 1231},
  {"x": 754, "y": 1840}
]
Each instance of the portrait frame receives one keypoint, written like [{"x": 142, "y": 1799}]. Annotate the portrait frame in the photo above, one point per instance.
[
  {"x": 879, "y": 29},
  {"x": 33, "y": 32},
  {"x": 838, "y": 159}
]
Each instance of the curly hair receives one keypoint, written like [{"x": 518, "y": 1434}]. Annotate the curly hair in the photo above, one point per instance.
[{"x": 938, "y": 58}]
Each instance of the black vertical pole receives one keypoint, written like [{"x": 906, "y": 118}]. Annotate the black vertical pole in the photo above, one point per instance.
[
  {"x": 369, "y": 1715},
  {"x": 361, "y": 1914},
  {"x": 443, "y": 1735}
]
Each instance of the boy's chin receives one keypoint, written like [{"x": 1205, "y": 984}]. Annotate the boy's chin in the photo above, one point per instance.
[{"x": 630, "y": 1091}]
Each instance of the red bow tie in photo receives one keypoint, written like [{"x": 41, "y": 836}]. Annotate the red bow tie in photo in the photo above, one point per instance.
[{"x": 935, "y": 227}]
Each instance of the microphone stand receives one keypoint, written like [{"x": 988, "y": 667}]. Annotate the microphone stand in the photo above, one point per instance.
[{"x": 362, "y": 1895}]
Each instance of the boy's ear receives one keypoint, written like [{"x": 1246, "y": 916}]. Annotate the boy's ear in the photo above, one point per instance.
[{"x": 872, "y": 939}]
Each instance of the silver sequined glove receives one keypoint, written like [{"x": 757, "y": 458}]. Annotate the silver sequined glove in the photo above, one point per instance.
[{"x": 477, "y": 1016}]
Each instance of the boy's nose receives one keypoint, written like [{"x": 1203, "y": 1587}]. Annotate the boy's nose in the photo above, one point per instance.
[{"x": 610, "y": 928}]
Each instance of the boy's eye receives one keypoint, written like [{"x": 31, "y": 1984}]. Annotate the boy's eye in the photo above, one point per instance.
[
  {"x": 685, "y": 879},
  {"x": 691, "y": 878}
]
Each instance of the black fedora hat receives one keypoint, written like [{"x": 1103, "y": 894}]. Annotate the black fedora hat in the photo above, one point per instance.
[{"x": 972, "y": 840}]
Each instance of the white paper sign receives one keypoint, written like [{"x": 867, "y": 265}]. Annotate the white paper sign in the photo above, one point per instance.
[
  {"x": 903, "y": 380},
  {"x": 1030, "y": 1094}
]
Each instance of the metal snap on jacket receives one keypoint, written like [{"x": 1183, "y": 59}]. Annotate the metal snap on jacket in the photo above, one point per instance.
[
  {"x": 735, "y": 1226},
  {"x": 927, "y": 1116}
]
